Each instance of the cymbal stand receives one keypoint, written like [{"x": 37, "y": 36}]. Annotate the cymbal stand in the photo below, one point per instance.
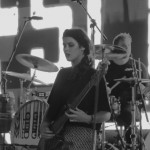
[
  {"x": 133, "y": 124},
  {"x": 133, "y": 105},
  {"x": 28, "y": 89},
  {"x": 4, "y": 85},
  {"x": 21, "y": 93},
  {"x": 142, "y": 99},
  {"x": 142, "y": 144},
  {"x": 134, "y": 85},
  {"x": 112, "y": 100},
  {"x": 32, "y": 79},
  {"x": 103, "y": 136}
]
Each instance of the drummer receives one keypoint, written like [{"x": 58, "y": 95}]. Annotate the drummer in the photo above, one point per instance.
[{"x": 120, "y": 67}]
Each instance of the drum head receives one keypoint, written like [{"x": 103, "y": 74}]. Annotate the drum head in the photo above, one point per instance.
[{"x": 25, "y": 127}]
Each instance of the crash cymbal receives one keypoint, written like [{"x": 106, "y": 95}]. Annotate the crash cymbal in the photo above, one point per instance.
[
  {"x": 132, "y": 79},
  {"x": 22, "y": 76},
  {"x": 112, "y": 50},
  {"x": 36, "y": 63}
]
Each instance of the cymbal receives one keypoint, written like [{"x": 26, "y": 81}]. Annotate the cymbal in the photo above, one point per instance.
[
  {"x": 36, "y": 63},
  {"x": 22, "y": 76},
  {"x": 114, "y": 50},
  {"x": 132, "y": 79}
]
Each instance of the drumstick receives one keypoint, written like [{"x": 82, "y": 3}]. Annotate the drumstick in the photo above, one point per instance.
[{"x": 116, "y": 84}]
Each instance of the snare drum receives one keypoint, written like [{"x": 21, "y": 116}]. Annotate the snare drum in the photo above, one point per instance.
[{"x": 25, "y": 128}]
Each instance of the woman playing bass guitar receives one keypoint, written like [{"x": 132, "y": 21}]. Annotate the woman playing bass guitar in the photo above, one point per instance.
[{"x": 68, "y": 121}]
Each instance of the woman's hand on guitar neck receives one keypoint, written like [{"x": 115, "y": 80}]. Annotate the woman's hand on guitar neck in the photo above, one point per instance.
[{"x": 78, "y": 115}]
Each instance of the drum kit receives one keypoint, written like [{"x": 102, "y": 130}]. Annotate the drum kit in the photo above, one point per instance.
[
  {"x": 24, "y": 128},
  {"x": 112, "y": 52},
  {"x": 24, "y": 124}
]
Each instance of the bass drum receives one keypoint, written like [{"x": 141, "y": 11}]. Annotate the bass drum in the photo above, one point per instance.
[{"x": 25, "y": 127}]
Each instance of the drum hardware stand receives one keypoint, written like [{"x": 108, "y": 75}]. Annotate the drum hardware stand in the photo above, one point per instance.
[
  {"x": 140, "y": 108},
  {"x": 102, "y": 137},
  {"x": 4, "y": 101},
  {"x": 21, "y": 93},
  {"x": 142, "y": 143},
  {"x": 29, "y": 86},
  {"x": 32, "y": 78},
  {"x": 120, "y": 135},
  {"x": 3, "y": 141},
  {"x": 133, "y": 125},
  {"x": 134, "y": 104}
]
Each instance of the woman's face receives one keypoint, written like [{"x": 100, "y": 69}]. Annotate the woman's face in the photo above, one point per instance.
[{"x": 72, "y": 50}]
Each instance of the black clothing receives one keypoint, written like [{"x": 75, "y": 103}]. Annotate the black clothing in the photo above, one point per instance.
[
  {"x": 68, "y": 85},
  {"x": 123, "y": 92}
]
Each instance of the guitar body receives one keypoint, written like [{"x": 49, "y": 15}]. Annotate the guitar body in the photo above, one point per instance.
[{"x": 57, "y": 142}]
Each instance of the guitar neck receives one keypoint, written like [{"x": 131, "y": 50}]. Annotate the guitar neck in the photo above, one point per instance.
[{"x": 87, "y": 88}]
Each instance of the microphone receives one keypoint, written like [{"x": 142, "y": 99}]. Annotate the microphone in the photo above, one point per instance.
[{"x": 34, "y": 18}]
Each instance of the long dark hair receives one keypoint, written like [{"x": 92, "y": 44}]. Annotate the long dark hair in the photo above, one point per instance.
[{"x": 83, "y": 40}]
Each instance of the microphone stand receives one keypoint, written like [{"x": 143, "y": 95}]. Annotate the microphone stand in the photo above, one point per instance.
[
  {"x": 17, "y": 43},
  {"x": 4, "y": 80},
  {"x": 12, "y": 55},
  {"x": 93, "y": 25}
]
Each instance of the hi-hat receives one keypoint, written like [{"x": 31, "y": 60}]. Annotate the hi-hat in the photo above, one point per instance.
[
  {"x": 22, "y": 76},
  {"x": 112, "y": 50},
  {"x": 132, "y": 79},
  {"x": 36, "y": 63}
]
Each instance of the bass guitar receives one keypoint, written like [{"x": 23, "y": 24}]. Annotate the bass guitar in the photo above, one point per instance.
[{"x": 57, "y": 125}]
